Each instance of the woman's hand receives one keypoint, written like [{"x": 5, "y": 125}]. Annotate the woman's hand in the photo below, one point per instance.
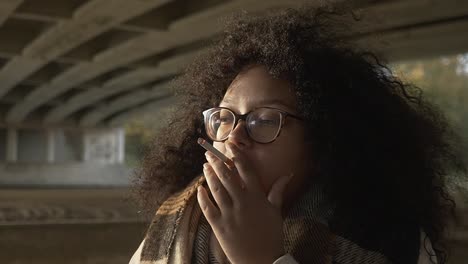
[{"x": 247, "y": 224}]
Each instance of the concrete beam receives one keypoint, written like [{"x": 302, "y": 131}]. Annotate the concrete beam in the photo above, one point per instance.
[
  {"x": 91, "y": 19},
  {"x": 7, "y": 7},
  {"x": 132, "y": 79},
  {"x": 378, "y": 17},
  {"x": 36, "y": 17},
  {"x": 58, "y": 9},
  {"x": 209, "y": 18},
  {"x": 420, "y": 41},
  {"x": 61, "y": 60},
  {"x": 389, "y": 15},
  {"x": 130, "y": 51},
  {"x": 371, "y": 21},
  {"x": 16, "y": 97},
  {"x": 86, "y": 98},
  {"x": 185, "y": 31},
  {"x": 158, "y": 107},
  {"x": 124, "y": 102}
]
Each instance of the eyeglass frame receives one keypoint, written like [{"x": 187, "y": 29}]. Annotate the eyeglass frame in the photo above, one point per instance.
[{"x": 237, "y": 117}]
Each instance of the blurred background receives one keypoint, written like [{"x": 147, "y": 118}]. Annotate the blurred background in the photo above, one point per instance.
[{"x": 84, "y": 86}]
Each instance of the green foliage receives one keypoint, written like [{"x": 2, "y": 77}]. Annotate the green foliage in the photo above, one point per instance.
[
  {"x": 139, "y": 131},
  {"x": 137, "y": 135},
  {"x": 444, "y": 81}
]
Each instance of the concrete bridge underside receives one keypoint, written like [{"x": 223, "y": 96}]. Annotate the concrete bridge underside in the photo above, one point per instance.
[{"x": 88, "y": 63}]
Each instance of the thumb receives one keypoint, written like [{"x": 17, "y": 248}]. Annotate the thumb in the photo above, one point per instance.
[{"x": 275, "y": 196}]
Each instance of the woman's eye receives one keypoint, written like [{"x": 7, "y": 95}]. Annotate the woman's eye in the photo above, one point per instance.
[
  {"x": 225, "y": 119},
  {"x": 266, "y": 122}
]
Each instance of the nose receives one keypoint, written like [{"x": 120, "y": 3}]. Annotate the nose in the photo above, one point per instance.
[{"x": 239, "y": 135}]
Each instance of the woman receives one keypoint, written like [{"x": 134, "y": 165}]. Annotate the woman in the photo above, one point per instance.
[{"x": 335, "y": 159}]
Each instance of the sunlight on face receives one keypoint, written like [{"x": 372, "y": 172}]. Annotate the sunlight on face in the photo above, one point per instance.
[{"x": 254, "y": 88}]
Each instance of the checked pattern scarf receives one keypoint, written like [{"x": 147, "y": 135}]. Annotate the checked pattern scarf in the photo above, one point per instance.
[{"x": 179, "y": 233}]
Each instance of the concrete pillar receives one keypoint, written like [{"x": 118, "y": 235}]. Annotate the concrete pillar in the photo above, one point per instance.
[
  {"x": 51, "y": 146},
  {"x": 86, "y": 148},
  {"x": 120, "y": 145},
  {"x": 12, "y": 145}
]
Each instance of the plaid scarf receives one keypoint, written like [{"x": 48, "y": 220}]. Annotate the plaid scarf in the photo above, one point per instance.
[{"x": 179, "y": 233}]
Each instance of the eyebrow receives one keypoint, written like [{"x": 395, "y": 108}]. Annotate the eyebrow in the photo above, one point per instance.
[{"x": 263, "y": 102}]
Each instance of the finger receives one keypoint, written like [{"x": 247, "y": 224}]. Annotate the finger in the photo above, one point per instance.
[
  {"x": 244, "y": 170},
  {"x": 208, "y": 208},
  {"x": 217, "y": 189},
  {"x": 276, "y": 194},
  {"x": 227, "y": 176}
]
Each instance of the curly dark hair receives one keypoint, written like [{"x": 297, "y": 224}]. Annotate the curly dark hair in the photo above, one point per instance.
[{"x": 384, "y": 151}]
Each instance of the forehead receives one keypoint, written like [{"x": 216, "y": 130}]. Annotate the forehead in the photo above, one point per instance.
[{"x": 255, "y": 87}]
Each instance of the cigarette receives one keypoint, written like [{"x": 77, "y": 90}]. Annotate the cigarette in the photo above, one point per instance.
[{"x": 216, "y": 152}]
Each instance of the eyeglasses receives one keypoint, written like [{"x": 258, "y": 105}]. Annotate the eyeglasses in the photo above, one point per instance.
[{"x": 263, "y": 124}]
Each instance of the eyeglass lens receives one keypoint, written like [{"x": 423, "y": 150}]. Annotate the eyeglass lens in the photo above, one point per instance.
[{"x": 263, "y": 124}]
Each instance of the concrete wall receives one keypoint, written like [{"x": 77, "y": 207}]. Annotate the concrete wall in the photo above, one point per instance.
[
  {"x": 68, "y": 146},
  {"x": 103, "y": 145},
  {"x": 61, "y": 157},
  {"x": 32, "y": 145}
]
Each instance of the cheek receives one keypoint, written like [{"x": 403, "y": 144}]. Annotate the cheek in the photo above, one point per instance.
[{"x": 219, "y": 146}]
